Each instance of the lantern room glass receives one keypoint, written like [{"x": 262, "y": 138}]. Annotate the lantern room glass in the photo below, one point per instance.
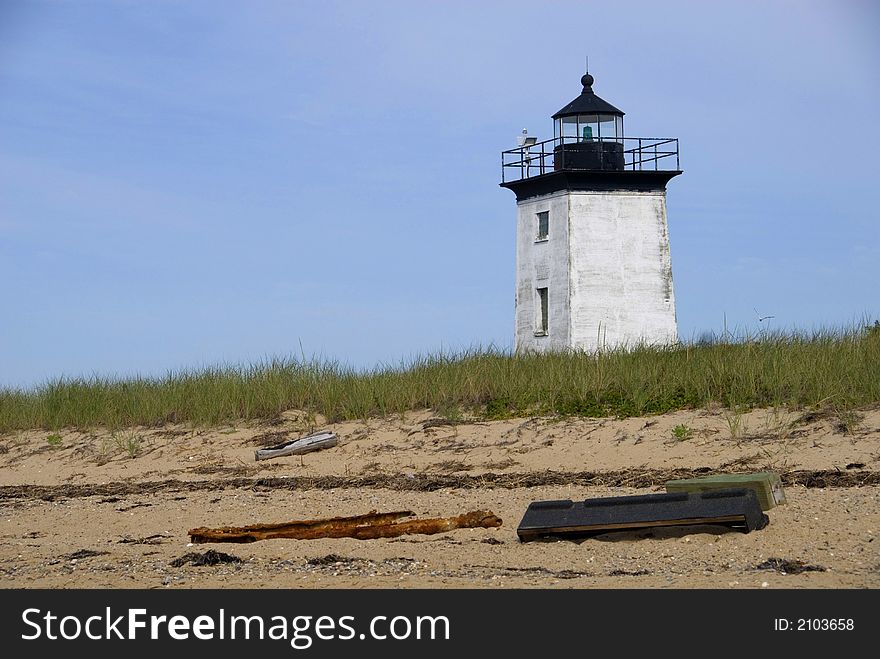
[{"x": 589, "y": 127}]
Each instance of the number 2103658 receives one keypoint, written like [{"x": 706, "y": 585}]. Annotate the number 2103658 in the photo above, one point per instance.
[{"x": 813, "y": 624}]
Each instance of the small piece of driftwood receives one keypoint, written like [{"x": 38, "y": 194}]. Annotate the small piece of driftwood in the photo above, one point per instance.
[
  {"x": 363, "y": 527},
  {"x": 299, "y": 446}
]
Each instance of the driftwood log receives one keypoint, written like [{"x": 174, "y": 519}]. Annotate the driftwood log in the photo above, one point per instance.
[
  {"x": 299, "y": 446},
  {"x": 363, "y": 527}
]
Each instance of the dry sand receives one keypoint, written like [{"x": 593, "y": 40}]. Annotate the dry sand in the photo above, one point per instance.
[{"x": 101, "y": 509}]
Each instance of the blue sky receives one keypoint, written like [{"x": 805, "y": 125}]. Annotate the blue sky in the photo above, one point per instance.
[{"x": 193, "y": 183}]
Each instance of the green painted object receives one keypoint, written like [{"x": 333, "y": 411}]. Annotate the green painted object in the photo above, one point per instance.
[{"x": 766, "y": 484}]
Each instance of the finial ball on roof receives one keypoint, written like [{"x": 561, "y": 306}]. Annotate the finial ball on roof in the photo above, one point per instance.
[{"x": 587, "y": 80}]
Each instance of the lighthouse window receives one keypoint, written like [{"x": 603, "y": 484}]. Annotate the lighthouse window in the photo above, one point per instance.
[
  {"x": 544, "y": 317},
  {"x": 543, "y": 225},
  {"x": 607, "y": 127},
  {"x": 569, "y": 127},
  {"x": 589, "y": 127}
]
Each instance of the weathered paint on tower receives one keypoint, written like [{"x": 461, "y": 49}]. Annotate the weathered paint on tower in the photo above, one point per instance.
[{"x": 593, "y": 267}]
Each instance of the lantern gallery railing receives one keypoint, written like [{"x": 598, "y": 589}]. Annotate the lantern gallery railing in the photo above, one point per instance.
[{"x": 597, "y": 154}]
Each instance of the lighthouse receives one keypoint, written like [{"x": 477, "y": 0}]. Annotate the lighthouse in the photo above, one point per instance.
[{"x": 593, "y": 269}]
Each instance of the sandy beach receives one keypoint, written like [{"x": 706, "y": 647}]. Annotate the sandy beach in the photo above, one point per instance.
[{"x": 113, "y": 509}]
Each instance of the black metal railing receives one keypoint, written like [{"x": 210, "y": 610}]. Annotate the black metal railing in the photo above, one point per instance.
[{"x": 597, "y": 154}]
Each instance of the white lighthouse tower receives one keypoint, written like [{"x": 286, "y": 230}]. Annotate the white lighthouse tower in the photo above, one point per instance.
[{"x": 593, "y": 269}]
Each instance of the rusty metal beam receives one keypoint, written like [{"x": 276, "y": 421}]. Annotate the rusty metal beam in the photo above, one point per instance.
[{"x": 363, "y": 527}]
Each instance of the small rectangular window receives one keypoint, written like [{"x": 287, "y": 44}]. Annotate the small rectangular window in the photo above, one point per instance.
[
  {"x": 543, "y": 319},
  {"x": 543, "y": 225}
]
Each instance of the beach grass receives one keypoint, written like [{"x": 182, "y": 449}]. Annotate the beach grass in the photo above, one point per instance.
[{"x": 838, "y": 369}]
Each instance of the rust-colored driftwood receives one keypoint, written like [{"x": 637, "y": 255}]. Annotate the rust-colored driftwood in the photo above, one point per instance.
[{"x": 362, "y": 527}]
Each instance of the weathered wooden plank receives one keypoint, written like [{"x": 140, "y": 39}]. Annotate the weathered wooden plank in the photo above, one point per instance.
[
  {"x": 766, "y": 484},
  {"x": 299, "y": 446},
  {"x": 363, "y": 527},
  {"x": 732, "y": 507}
]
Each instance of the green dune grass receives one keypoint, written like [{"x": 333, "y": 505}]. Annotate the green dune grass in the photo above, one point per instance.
[{"x": 838, "y": 368}]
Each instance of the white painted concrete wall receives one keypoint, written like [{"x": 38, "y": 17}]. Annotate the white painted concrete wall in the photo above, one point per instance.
[
  {"x": 542, "y": 264},
  {"x": 607, "y": 266},
  {"x": 621, "y": 272}
]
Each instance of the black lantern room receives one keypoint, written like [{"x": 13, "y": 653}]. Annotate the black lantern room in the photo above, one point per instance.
[{"x": 589, "y": 131}]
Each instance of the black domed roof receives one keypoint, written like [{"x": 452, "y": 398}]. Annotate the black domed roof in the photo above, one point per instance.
[{"x": 587, "y": 102}]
